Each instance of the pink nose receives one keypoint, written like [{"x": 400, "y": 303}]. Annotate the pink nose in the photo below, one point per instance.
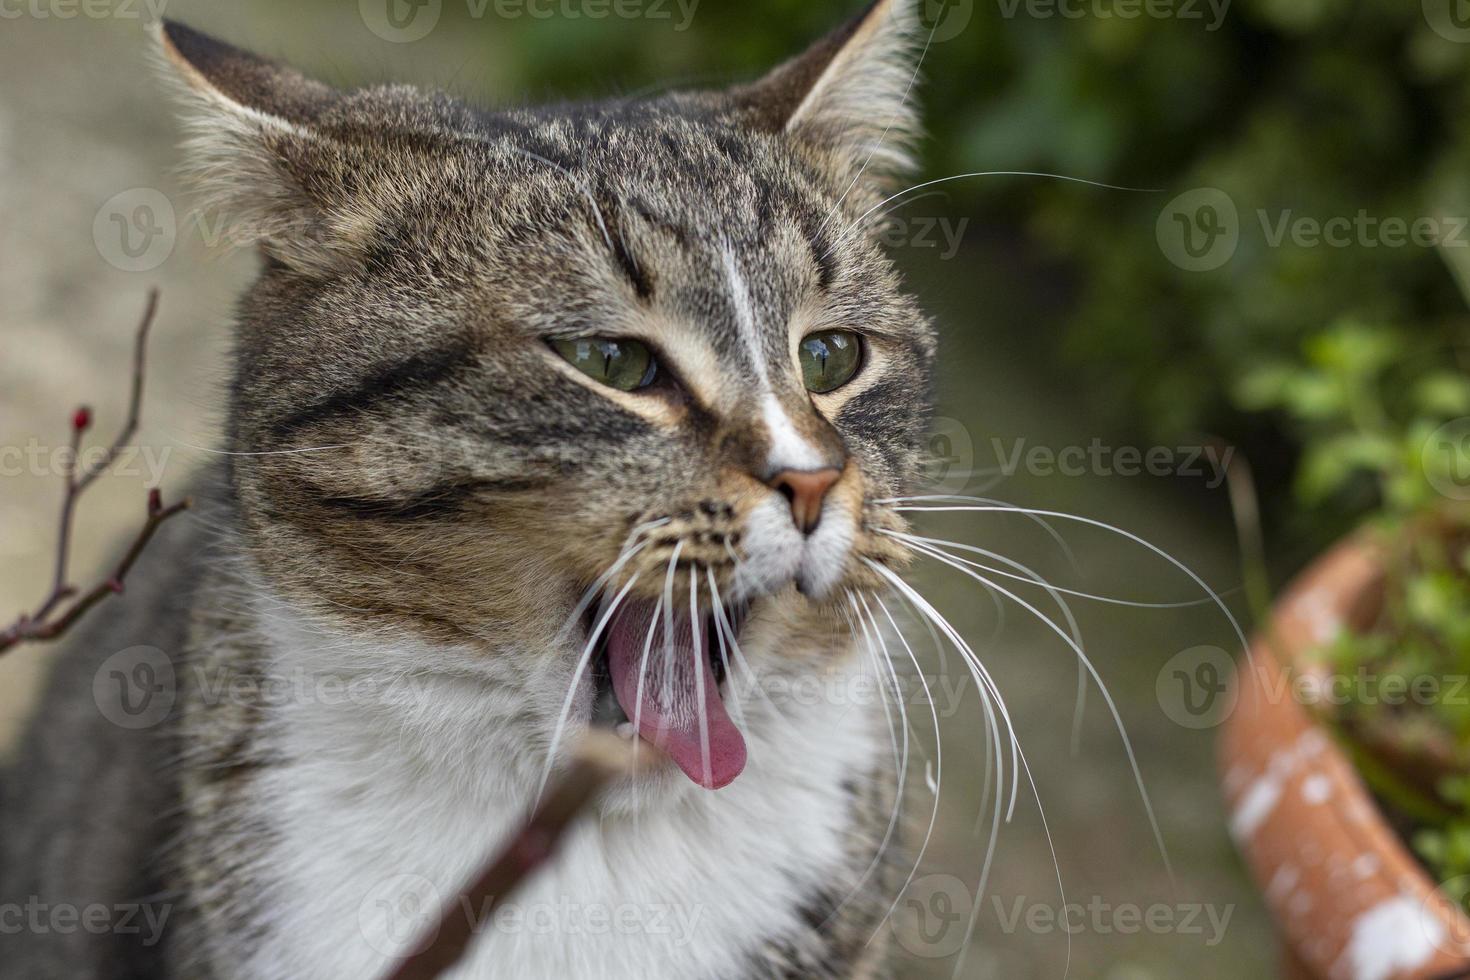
[{"x": 805, "y": 490}]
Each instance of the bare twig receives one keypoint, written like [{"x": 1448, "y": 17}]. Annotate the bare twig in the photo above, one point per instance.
[
  {"x": 601, "y": 758},
  {"x": 53, "y": 617}
]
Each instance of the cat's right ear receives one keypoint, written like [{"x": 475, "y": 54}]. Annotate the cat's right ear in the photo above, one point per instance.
[
  {"x": 849, "y": 97},
  {"x": 255, "y": 150}
]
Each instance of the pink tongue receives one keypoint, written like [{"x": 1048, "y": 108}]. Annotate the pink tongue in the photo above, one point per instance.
[{"x": 676, "y": 681}]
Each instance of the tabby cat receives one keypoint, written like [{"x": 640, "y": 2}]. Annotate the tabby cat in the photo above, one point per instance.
[{"x": 540, "y": 419}]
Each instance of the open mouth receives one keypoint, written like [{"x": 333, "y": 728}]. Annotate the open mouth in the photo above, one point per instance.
[{"x": 661, "y": 677}]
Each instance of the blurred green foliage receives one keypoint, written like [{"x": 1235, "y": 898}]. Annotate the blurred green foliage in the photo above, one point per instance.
[
  {"x": 1362, "y": 413},
  {"x": 1358, "y": 108},
  {"x": 1365, "y": 414}
]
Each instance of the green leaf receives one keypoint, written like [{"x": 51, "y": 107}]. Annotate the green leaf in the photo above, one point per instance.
[
  {"x": 1265, "y": 387},
  {"x": 1445, "y": 393},
  {"x": 1316, "y": 397},
  {"x": 1329, "y": 463},
  {"x": 1352, "y": 349}
]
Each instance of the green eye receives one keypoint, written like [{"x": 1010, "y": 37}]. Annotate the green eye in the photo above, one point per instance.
[
  {"x": 829, "y": 359},
  {"x": 626, "y": 365}
]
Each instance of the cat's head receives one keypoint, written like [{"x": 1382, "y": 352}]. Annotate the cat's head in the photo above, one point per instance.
[{"x": 502, "y": 367}]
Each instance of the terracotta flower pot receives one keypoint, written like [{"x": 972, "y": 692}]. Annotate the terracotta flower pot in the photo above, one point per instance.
[{"x": 1349, "y": 900}]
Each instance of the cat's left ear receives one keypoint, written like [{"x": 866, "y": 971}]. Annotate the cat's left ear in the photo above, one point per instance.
[
  {"x": 850, "y": 96},
  {"x": 259, "y": 154}
]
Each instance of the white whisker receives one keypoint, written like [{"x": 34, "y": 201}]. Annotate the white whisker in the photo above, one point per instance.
[
  {"x": 591, "y": 592},
  {"x": 900, "y": 760},
  {"x": 699, "y": 671},
  {"x": 990, "y": 702},
  {"x": 1097, "y": 679},
  {"x": 857, "y": 222},
  {"x": 994, "y": 507},
  {"x": 1019, "y": 754},
  {"x": 263, "y": 452},
  {"x": 937, "y": 783},
  {"x": 642, "y": 671},
  {"x": 719, "y": 614},
  {"x": 1034, "y": 579},
  {"x": 667, "y": 605},
  {"x": 581, "y": 185},
  {"x": 1029, "y": 575},
  {"x": 576, "y": 682},
  {"x": 907, "y": 504}
]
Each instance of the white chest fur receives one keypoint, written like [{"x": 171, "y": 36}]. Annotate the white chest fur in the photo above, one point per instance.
[{"x": 390, "y": 798}]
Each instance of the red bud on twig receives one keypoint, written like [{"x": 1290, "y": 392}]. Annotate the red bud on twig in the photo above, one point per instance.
[{"x": 66, "y": 603}]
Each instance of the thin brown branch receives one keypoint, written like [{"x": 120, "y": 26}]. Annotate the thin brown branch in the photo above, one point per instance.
[
  {"x": 54, "y": 616},
  {"x": 42, "y": 627},
  {"x": 135, "y": 397},
  {"x": 601, "y": 757}
]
